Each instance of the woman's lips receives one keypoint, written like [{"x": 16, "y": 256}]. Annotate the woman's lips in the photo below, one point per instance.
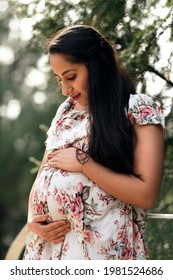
[{"x": 75, "y": 97}]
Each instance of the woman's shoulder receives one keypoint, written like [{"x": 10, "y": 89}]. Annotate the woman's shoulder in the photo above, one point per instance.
[
  {"x": 63, "y": 108},
  {"x": 144, "y": 110}
]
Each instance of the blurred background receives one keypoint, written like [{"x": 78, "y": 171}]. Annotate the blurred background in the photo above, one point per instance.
[{"x": 143, "y": 34}]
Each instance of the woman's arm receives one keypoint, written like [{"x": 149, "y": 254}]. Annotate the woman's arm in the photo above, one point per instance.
[{"x": 139, "y": 191}]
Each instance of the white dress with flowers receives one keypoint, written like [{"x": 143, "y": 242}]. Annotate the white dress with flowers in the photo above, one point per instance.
[{"x": 102, "y": 227}]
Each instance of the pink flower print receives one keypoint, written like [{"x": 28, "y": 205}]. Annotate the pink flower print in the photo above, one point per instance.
[
  {"x": 62, "y": 197},
  {"x": 112, "y": 242},
  {"x": 121, "y": 212},
  {"x": 97, "y": 233},
  {"x": 87, "y": 236},
  {"x": 145, "y": 111},
  {"x": 41, "y": 248},
  {"x": 80, "y": 187},
  {"x": 120, "y": 235},
  {"x": 76, "y": 207},
  {"x": 81, "y": 117},
  {"x": 137, "y": 236},
  {"x": 101, "y": 197},
  {"x": 127, "y": 211},
  {"x": 66, "y": 247},
  {"x": 65, "y": 197},
  {"x": 126, "y": 253},
  {"x": 131, "y": 118},
  {"x": 105, "y": 198},
  {"x": 62, "y": 211},
  {"x": 103, "y": 251},
  {"x": 59, "y": 124},
  {"x": 39, "y": 208},
  {"x": 64, "y": 173},
  {"x": 55, "y": 191},
  {"x": 31, "y": 245},
  {"x": 59, "y": 199}
]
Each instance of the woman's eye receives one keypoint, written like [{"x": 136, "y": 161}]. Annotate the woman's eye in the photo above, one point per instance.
[{"x": 71, "y": 78}]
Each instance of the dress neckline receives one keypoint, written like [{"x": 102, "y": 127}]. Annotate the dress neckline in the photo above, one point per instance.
[{"x": 72, "y": 105}]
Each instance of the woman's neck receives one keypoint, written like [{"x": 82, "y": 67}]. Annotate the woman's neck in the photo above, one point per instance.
[{"x": 79, "y": 107}]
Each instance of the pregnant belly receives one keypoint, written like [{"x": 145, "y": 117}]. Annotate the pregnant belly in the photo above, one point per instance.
[{"x": 60, "y": 193}]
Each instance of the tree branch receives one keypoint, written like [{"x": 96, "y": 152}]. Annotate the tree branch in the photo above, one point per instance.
[{"x": 162, "y": 76}]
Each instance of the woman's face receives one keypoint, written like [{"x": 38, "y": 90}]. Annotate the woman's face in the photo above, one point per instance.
[{"x": 73, "y": 79}]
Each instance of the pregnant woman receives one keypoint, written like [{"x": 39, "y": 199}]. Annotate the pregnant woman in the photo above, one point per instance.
[{"x": 103, "y": 163}]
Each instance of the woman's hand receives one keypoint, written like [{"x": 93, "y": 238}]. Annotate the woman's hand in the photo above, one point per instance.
[
  {"x": 64, "y": 159},
  {"x": 53, "y": 232}
]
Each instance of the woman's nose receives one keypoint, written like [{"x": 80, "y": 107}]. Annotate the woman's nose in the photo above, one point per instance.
[{"x": 66, "y": 89}]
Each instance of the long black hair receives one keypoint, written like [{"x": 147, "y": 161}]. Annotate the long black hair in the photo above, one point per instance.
[{"x": 111, "y": 135}]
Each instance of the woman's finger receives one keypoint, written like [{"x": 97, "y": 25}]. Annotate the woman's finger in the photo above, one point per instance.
[
  {"x": 38, "y": 218},
  {"x": 57, "y": 226},
  {"x": 54, "y": 234}
]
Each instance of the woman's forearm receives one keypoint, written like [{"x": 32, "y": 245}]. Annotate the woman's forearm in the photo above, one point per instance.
[
  {"x": 139, "y": 191},
  {"x": 127, "y": 188}
]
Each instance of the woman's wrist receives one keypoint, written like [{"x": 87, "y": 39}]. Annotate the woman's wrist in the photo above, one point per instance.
[
  {"x": 82, "y": 157},
  {"x": 85, "y": 165}
]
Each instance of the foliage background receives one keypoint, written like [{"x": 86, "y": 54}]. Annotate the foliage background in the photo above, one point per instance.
[{"x": 143, "y": 33}]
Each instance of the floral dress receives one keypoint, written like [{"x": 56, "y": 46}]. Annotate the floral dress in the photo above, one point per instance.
[{"x": 102, "y": 227}]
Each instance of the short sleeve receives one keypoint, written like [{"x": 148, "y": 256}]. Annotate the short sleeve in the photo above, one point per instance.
[{"x": 144, "y": 110}]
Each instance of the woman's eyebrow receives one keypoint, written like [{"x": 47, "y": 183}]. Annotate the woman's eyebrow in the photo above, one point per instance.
[{"x": 65, "y": 72}]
